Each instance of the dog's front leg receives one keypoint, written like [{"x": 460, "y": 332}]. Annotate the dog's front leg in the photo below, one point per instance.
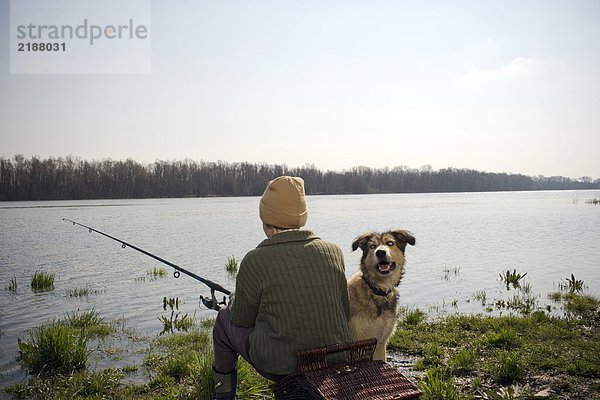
[{"x": 379, "y": 354}]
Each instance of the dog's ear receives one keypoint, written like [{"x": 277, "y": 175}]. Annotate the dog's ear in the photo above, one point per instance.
[
  {"x": 361, "y": 241},
  {"x": 403, "y": 238}
]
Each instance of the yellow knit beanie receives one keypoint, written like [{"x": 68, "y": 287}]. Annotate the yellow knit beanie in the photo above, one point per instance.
[{"x": 282, "y": 204}]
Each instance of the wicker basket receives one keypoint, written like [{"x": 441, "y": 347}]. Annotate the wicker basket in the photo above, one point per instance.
[{"x": 360, "y": 377}]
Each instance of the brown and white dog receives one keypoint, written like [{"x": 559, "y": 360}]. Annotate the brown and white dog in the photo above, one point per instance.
[{"x": 373, "y": 289}]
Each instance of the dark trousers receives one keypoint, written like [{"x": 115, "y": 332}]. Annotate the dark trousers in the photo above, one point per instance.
[{"x": 229, "y": 341}]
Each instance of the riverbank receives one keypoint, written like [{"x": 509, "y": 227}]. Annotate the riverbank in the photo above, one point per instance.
[
  {"x": 545, "y": 353},
  {"x": 505, "y": 357}
]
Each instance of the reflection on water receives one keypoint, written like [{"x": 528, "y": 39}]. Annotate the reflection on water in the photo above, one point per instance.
[{"x": 464, "y": 241}]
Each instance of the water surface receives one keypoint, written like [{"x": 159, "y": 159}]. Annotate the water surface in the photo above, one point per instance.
[{"x": 464, "y": 240}]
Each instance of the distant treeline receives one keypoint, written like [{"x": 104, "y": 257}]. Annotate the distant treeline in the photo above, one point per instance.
[{"x": 72, "y": 178}]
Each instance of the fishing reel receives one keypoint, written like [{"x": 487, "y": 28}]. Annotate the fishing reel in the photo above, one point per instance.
[{"x": 212, "y": 303}]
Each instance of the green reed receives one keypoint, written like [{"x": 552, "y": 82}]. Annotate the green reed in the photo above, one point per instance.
[
  {"x": 512, "y": 278},
  {"x": 157, "y": 272},
  {"x": 42, "y": 281},
  {"x": 175, "y": 321},
  {"x": 83, "y": 291},
  {"x": 572, "y": 285},
  {"x": 595, "y": 200},
  {"x": 152, "y": 275},
  {"x": 53, "y": 349},
  {"x": 85, "y": 319},
  {"x": 12, "y": 285},
  {"x": 232, "y": 265}
]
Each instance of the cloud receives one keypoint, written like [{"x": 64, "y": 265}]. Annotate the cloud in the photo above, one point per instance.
[{"x": 518, "y": 66}]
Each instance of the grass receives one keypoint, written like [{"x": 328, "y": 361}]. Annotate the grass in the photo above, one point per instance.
[
  {"x": 461, "y": 356},
  {"x": 512, "y": 278},
  {"x": 90, "y": 322},
  {"x": 90, "y": 385},
  {"x": 482, "y": 356},
  {"x": 129, "y": 369},
  {"x": 83, "y": 291},
  {"x": 12, "y": 285},
  {"x": 575, "y": 304},
  {"x": 503, "y": 338},
  {"x": 481, "y": 297},
  {"x": 438, "y": 386},
  {"x": 463, "y": 361},
  {"x": 157, "y": 272},
  {"x": 42, "y": 282},
  {"x": 176, "y": 366},
  {"x": 152, "y": 275},
  {"x": 449, "y": 272},
  {"x": 84, "y": 319},
  {"x": 572, "y": 285},
  {"x": 60, "y": 347},
  {"x": 184, "y": 360},
  {"x": 581, "y": 306},
  {"x": 412, "y": 317},
  {"x": 175, "y": 321},
  {"x": 232, "y": 265},
  {"x": 509, "y": 368},
  {"x": 53, "y": 349}
]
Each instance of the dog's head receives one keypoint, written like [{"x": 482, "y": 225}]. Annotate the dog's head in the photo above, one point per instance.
[{"x": 383, "y": 253}]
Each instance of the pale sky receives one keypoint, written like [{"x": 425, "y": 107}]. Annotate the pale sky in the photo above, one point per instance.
[{"x": 501, "y": 86}]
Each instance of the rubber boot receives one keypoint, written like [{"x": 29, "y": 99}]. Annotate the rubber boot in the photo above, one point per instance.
[{"x": 225, "y": 384}]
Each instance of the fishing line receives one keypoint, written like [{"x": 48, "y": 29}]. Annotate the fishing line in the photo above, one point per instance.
[{"x": 211, "y": 302}]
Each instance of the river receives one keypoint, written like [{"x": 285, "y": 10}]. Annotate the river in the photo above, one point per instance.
[{"x": 463, "y": 242}]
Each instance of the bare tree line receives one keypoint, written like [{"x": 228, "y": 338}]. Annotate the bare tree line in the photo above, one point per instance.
[{"x": 72, "y": 178}]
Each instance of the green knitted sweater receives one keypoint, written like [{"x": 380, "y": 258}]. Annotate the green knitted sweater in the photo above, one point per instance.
[{"x": 292, "y": 289}]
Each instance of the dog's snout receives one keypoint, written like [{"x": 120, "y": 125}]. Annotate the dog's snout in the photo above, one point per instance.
[{"x": 381, "y": 253}]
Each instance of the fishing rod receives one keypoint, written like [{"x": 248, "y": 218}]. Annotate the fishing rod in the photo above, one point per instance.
[{"x": 211, "y": 303}]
